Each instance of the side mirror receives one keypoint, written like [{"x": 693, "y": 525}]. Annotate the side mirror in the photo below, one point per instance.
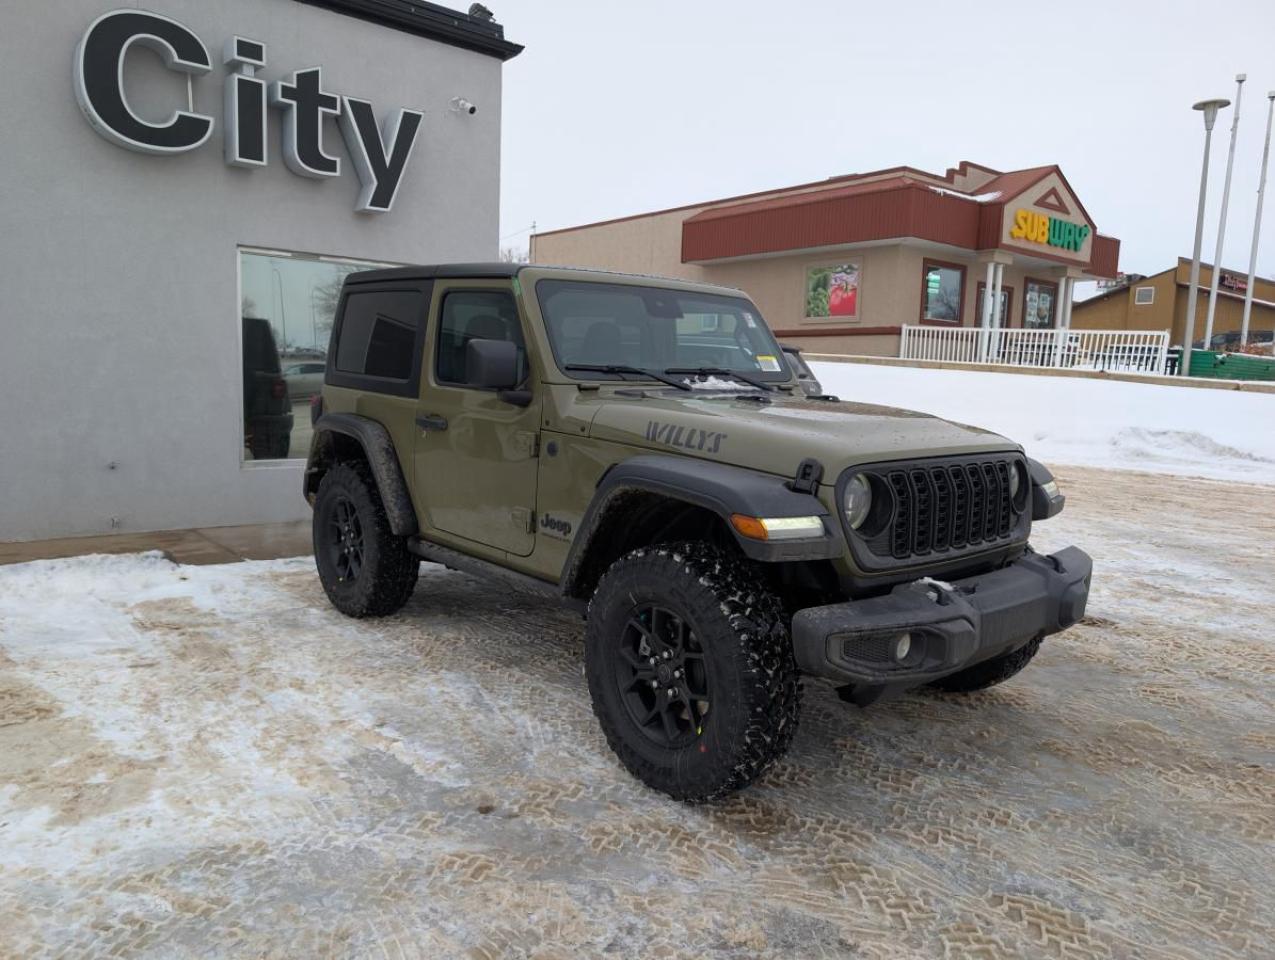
[{"x": 491, "y": 364}]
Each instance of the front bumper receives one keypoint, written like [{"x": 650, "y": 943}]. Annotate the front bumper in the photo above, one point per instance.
[{"x": 950, "y": 626}]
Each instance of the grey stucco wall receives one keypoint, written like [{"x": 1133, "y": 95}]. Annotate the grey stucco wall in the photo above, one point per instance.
[{"x": 119, "y": 304}]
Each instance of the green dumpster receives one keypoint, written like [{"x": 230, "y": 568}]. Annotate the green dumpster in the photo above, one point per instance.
[{"x": 1231, "y": 366}]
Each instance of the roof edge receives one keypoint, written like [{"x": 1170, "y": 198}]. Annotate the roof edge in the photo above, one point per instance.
[{"x": 431, "y": 21}]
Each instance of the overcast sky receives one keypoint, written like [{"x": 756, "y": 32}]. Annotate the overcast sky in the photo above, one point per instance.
[{"x": 616, "y": 109}]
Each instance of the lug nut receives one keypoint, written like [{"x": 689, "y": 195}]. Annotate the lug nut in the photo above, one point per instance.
[
  {"x": 672, "y": 693},
  {"x": 667, "y": 655},
  {"x": 655, "y": 683}
]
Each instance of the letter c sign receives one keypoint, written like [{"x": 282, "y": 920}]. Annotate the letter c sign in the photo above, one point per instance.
[{"x": 99, "y": 80}]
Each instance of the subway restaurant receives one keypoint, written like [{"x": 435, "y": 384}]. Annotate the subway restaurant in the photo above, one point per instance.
[{"x": 842, "y": 265}]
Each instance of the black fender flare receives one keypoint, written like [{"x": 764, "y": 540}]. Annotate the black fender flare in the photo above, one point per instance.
[
  {"x": 720, "y": 488},
  {"x": 378, "y": 451}
]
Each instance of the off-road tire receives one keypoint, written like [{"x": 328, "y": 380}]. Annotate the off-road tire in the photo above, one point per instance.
[
  {"x": 388, "y": 571},
  {"x": 755, "y": 693},
  {"x": 990, "y": 672}
]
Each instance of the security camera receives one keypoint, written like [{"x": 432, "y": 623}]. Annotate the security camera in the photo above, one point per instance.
[{"x": 461, "y": 105}]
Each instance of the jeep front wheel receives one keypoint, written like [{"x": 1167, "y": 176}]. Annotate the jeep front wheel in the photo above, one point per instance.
[
  {"x": 365, "y": 569},
  {"x": 690, "y": 668}
]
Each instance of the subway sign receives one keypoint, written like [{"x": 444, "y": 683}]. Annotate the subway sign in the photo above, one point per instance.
[
  {"x": 1048, "y": 231},
  {"x": 379, "y": 153}
]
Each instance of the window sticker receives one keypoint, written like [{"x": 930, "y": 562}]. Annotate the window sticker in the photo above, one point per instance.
[{"x": 768, "y": 363}]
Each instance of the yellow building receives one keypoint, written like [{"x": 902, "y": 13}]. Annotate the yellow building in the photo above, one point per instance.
[{"x": 1159, "y": 303}]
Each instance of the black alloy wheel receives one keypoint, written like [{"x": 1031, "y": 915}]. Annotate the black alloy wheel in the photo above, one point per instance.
[
  {"x": 690, "y": 669},
  {"x": 365, "y": 569},
  {"x": 345, "y": 539},
  {"x": 662, "y": 675}
]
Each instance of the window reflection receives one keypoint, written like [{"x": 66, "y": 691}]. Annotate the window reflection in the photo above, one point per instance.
[{"x": 288, "y": 305}]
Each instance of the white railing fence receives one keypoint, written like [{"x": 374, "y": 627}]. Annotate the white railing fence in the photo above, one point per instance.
[{"x": 1140, "y": 351}]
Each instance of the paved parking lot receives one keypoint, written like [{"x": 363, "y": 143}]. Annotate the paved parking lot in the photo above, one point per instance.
[{"x": 203, "y": 761}]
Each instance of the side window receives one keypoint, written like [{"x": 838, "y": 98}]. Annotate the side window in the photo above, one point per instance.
[
  {"x": 378, "y": 334},
  {"x": 475, "y": 315}
]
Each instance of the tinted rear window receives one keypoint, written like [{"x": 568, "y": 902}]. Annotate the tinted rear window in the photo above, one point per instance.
[{"x": 378, "y": 334}]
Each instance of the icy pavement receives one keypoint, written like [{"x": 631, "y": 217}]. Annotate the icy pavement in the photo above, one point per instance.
[{"x": 209, "y": 761}]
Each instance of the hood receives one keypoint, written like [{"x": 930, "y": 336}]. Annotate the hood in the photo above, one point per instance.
[{"x": 775, "y": 437}]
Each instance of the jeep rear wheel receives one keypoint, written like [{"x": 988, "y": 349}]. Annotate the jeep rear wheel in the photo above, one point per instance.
[
  {"x": 690, "y": 668},
  {"x": 365, "y": 569}
]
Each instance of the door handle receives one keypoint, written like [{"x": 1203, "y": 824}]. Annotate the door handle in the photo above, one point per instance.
[{"x": 432, "y": 422}]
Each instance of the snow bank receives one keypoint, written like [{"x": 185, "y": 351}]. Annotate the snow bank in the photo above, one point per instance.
[{"x": 1219, "y": 434}]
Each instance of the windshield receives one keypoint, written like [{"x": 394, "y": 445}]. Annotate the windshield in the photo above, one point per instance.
[{"x": 649, "y": 328}]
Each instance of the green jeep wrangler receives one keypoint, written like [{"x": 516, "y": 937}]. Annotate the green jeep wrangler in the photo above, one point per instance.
[{"x": 640, "y": 449}]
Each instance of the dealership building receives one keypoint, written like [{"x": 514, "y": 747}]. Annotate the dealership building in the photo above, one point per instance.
[
  {"x": 185, "y": 187},
  {"x": 842, "y": 265}
]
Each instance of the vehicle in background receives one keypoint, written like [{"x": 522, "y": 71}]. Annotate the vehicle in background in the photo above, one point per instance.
[
  {"x": 806, "y": 379},
  {"x": 304, "y": 380},
  {"x": 267, "y": 412}
]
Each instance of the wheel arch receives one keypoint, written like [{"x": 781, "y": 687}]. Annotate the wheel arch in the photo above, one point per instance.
[
  {"x": 340, "y": 437},
  {"x": 653, "y": 498}
]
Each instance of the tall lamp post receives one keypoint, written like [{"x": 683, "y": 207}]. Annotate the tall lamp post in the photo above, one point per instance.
[
  {"x": 1257, "y": 222},
  {"x": 1209, "y": 108},
  {"x": 1221, "y": 223},
  {"x": 283, "y": 309}
]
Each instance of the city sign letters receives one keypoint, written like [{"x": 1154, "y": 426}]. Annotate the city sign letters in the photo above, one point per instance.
[{"x": 380, "y": 156}]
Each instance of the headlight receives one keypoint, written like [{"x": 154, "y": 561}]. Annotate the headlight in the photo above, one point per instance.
[
  {"x": 1015, "y": 482},
  {"x": 858, "y": 500}
]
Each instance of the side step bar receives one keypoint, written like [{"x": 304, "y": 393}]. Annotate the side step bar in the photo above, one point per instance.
[{"x": 520, "y": 583}]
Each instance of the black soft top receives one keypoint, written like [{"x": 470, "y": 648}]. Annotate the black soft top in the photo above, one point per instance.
[{"x": 461, "y": 271}]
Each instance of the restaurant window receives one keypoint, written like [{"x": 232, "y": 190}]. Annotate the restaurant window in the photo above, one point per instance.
[
  {"x": 832, "y": 291},
  {"x": 942, "y": 291},
  {"x": 1038, "y": 305},
  {"x": 287, "y": 305},
  {"x": 1007, "y": 297}
]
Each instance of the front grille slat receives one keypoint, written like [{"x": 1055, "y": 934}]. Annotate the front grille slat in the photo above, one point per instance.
[{"x": 945, "y": 507}]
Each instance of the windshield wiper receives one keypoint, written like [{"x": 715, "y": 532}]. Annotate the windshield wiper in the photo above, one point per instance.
[
  {"x": 621, "y": 368},
  {"x": 722, "y": 372}
]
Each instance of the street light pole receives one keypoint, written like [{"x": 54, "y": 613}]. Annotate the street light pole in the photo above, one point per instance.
[
  {"x": 1209, "y": 108},
  {"x": 1221, "y": 223},
  {"x": 283, "y": 309},
  {"x": 1257, "y": 222}
]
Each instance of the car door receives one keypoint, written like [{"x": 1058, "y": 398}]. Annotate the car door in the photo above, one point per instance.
[{"x": 475, "y": 453}]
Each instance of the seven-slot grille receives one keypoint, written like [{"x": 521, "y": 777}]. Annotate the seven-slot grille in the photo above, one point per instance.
[{"x": 949, "y": 506}]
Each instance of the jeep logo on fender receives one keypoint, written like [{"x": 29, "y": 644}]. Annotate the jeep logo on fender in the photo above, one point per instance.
[
  {"x": 555, "y": 526},
  {"x": 686, "y": 438}
]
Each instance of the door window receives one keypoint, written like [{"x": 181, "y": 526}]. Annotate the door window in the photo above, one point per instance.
[
  {"x": 475, "y": 315},
  {"x": 1038, "y": 305}
]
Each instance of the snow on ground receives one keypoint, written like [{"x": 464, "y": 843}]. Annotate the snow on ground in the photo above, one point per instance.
[
  {"x": 1221, "y": 434},
  {"x": 210, "y": 761}
]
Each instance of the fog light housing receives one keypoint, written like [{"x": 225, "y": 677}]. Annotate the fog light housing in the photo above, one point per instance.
[{"x": 901, "y": 647}]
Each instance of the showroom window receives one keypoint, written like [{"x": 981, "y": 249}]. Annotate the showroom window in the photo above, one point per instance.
[
  {"x": 942, "y": 292},
  {"x": 832, "y": 291},
  {"x": 286, "y": 309},
  {"x": 1038, "y": 305}
]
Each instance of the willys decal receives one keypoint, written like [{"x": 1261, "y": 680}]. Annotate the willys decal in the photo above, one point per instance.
[{"x": 685, "y": 438}]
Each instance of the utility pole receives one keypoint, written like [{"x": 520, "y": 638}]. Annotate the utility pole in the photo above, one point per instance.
[
  {"x": 1221, "y": 223},
  {"x": 1257, "y": 222},
  {"x": 1209, "y": 108}
]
